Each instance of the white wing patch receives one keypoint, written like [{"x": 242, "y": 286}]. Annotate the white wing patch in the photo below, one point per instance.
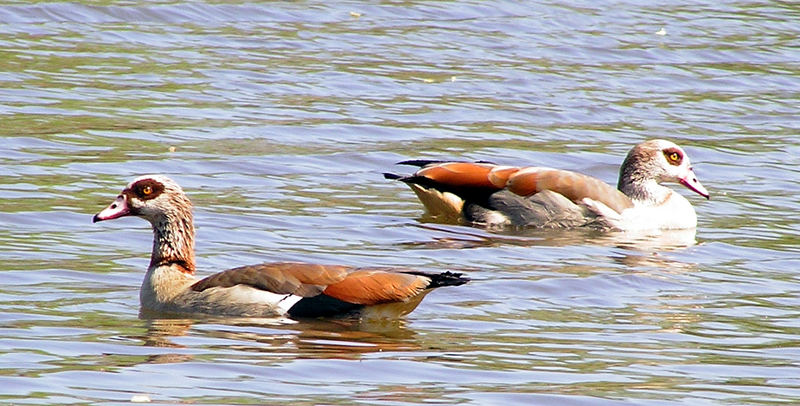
[{"x": 248, "y": 295}]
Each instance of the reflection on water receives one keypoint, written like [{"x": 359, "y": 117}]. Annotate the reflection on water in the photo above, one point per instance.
[
  {"x": 341, "y": 338},
  {"x": 278, "y": 119},
  {"x": 646, "y": 240}
]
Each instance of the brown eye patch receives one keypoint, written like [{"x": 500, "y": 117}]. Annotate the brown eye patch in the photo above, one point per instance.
[
  {"x": 147, "y": 189},
  {"x": 674, "y": 156}
]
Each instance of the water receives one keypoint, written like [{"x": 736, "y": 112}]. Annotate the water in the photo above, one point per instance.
[{"x": 279, "y": 118}]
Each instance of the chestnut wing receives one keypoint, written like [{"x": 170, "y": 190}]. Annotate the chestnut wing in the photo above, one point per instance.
[
  {"x": 572, "y": 185},
  {"x": 369, "y": 286},
  {"x": 459, "y": 174},
  {"x": 300, "y": 279}
]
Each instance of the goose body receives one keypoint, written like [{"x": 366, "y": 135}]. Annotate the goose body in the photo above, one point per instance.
[
  {"x": 263, "y": 290},
  {"x": 486, "y": 194}
]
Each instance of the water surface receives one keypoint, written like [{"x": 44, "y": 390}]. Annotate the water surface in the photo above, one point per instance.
[{"x": 278, "y": 120}]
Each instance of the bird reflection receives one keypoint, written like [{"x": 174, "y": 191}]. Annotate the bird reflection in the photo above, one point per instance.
[
  {"x": 646, "y": 248},
  {"x": 466, "y": 237},
  {"x": 341, "y": 338}
]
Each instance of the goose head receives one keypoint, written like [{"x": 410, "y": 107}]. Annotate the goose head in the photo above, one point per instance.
[
  {"x": 655, "y": 161},
  {"x": 155, "y": 198}
]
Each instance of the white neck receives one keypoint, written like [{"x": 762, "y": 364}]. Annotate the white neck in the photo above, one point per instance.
[{"x": 646, "y": 193}]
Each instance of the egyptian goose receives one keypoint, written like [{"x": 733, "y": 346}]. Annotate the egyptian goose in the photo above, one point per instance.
[
  {"x": 263, "y": 290},
  {"x": 482, "y": 193}
]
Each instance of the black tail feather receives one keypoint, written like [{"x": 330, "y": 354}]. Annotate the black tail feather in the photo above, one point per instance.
[
  {"x": 419, "y": 180},
  {"x": 446, "y": 278},
  {"x": 426, "y": 162},
  {"x": 414, "y": 162},
  {"x": 322, "y": 306},
  {"x": 392, "y": 176},
  {"x": 421, "y": 162}
]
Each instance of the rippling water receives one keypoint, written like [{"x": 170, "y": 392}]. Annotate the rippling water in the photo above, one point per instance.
[{"x": 278, "y": 119}]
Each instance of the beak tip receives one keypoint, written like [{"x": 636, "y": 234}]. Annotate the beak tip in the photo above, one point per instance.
[{"x": 695, "y": 186}]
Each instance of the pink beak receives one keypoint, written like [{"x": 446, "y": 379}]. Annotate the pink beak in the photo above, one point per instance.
[
  {"x": 119, "y": 208},
  {"x": 691, "y": 183}
]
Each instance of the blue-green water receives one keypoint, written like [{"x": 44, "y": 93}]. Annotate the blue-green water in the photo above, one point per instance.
[{"x": 278, "y": 120}]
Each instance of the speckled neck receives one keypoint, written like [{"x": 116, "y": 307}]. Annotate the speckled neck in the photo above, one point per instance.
[
  {"x": 173, "y": 239},
  {"x": 638, "y": 177}
]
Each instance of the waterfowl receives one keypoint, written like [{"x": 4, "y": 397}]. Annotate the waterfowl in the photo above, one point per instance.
[
  {"x": 482, "y": 193},
  {"x": 263, "y": 290}
]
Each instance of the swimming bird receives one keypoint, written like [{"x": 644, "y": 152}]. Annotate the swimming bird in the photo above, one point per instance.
[
  {"x": 485, "y": 194},
  {"x": 264, "y": 290}
]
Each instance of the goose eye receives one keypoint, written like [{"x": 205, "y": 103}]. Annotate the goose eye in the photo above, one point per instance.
[
  {"x": 148, "y": 190},
  {"x": 673, "y": 157}
]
